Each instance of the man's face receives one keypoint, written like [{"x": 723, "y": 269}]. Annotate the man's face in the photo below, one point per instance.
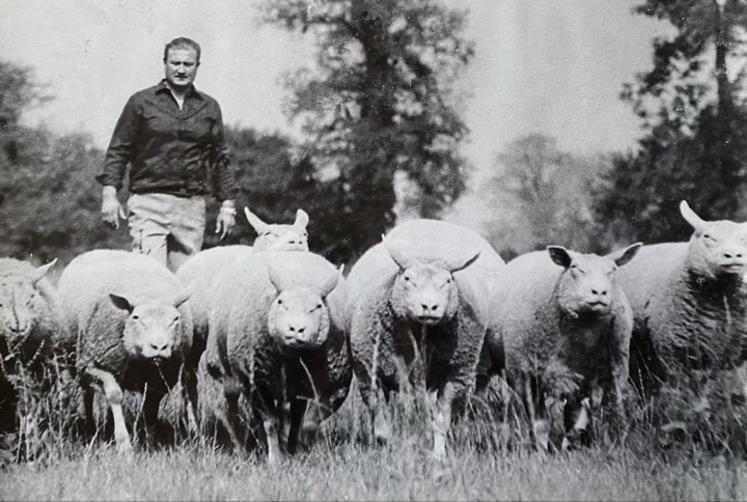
[{"x": 181, "y": 67}]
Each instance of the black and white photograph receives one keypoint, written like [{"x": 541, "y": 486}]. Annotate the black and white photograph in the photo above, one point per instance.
[{"x": 373, "y": 250}]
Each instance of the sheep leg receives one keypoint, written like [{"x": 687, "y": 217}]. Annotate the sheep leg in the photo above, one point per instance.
[
  {"x": 382, "y": 429},
  {"x": 232, "y": 420},
  {"x": 534, "y": 401},
  {"x": 442, "y": 420},
  {"x": 313, "y": 418},
  {"x": 271, "y": 425},
  {"x": 150, "y": 415},
  {"x": 114, "y": 396},
  {"x": 189, "y": 394},
  {"x": 90, "y": 425},
  {"x": 576, "y": 417},
  {"x": 297, "y": 410}
]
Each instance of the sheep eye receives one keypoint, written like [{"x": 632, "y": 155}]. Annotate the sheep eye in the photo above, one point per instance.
[
  {"x": 135, "y": 317},
  {"x": 407, "y": 278},
  {"x": 280, "y": 302}
]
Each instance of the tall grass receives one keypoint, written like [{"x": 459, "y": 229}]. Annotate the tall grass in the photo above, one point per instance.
[{"x": 490, "y": 456}]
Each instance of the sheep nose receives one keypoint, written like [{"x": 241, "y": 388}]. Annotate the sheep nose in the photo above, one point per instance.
[
  {"x": 427, "y": 309},
  {"x": 731, "y": 255},
  {"x": 300, "y": 330},
  {"x": 599, "y": 292},
  {"x": 161, "y": 350}
]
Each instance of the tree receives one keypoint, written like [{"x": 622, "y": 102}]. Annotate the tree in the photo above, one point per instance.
[
  {"x": 380, "y": 101},
  {"x": 541, "y": 197},
  {"x": 48, "y": 204},
  {"x": 695, "y": 123}
]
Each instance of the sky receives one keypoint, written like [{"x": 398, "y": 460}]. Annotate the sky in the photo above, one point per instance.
[{"x": 548, "y": 66}]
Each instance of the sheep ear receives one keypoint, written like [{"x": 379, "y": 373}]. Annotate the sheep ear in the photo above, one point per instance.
[
  {"x": 42, "y": 271},
  {"x": 182, "y": 296},
  {"x": 302, "y": 219},
  {"x": 693, "y": 219},
  {"x": 276, "y": 280},
  {"x": 622, "y": 257},
  {"x": 560, "y": 255},
  {"x": 401, "y": 259},
  {"x": 330, "y": 284},
  {"x": 121, "y": 302},
  {"x": 456, "y": 267},
  {"x": 257, "y": 224}
]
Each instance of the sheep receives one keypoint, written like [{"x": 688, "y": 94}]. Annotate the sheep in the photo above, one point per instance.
[
  {"x": 31, "y": 330},
  {"x": 276, "y": 321},
  {"x": 690, "y": 303},
  {"x": 563, "y": 329},
  {"x": 133, "y": 331},
  {"x": 201, "y": 269},
  {"x": 422, "y": 294}
]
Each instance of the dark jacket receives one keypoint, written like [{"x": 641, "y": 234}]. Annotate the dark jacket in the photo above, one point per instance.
[{"x": 173, "y": 151}]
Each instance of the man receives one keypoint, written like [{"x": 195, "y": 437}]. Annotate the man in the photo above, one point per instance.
[{"x": 171, "y": 135}]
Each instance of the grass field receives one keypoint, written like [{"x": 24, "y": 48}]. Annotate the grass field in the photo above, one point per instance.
[
  {"x": 340, "y": 465},
  {"x": 351, "y": 471}
]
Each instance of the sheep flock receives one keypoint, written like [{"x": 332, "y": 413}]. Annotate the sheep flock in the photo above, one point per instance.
[{"x": 276, "y": 338}]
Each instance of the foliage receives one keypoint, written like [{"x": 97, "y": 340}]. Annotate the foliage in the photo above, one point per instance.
[
  {"x": 380, "y": 101},
  {"x": 48, "y": 203},
  {"x": 542, "y": 196},
  {"x": 696, "y": 125}
]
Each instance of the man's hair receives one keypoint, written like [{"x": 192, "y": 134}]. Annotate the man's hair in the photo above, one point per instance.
[{"x": 181, "y": 43}]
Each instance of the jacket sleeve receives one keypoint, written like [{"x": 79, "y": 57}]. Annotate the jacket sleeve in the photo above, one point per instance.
[
  {"x": 122, "y": 146},
  {"x": 224, "y": 180}
]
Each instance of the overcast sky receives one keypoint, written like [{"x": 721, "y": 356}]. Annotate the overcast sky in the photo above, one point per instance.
[{"x": 547, "y": 66}]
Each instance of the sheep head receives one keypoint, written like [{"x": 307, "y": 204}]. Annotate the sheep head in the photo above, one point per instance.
[
  {"x": 587, "y": 282},
  {"x": 152, "y": 329},
  {"x": 298, "y": 316},
  {"x": 22, "y": 302},
  {"x": 425, "y": 292},
  {"x": 716, "y": 248},
  {"x": 280, "y": 237}
]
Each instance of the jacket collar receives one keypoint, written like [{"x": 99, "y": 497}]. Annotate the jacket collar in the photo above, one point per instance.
[{"x": 163, "y": 86}]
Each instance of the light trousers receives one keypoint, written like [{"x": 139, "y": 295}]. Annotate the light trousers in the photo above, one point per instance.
[{"x": 166, "y": 227}]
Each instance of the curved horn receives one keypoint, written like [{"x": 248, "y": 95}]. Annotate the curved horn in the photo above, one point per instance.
[
  {"x": 693, "y": 219},
  {"x": 42, "y": 271},
  {"x": 302, "y": 219},
  {"x": 257, "y": 224}
]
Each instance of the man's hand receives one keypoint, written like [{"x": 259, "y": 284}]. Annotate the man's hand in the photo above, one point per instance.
[
  {"x": 226, "y": 219},
  {"x": 111, "y": 209}
]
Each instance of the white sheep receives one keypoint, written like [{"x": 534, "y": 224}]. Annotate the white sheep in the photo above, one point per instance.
[
  {"x": 133, "y": 330},
  {"x": 275, "y": 323},
  {"x": 422, "y": 294},
  {"x": 201, "y": 269},
  {"x": 562, "y": 329},
  {"x": 31, "y": 330},
  {"x": 690, "y": 302}
]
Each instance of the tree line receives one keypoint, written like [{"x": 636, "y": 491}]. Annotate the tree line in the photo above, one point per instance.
[{"x": 380, "y": 106}]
